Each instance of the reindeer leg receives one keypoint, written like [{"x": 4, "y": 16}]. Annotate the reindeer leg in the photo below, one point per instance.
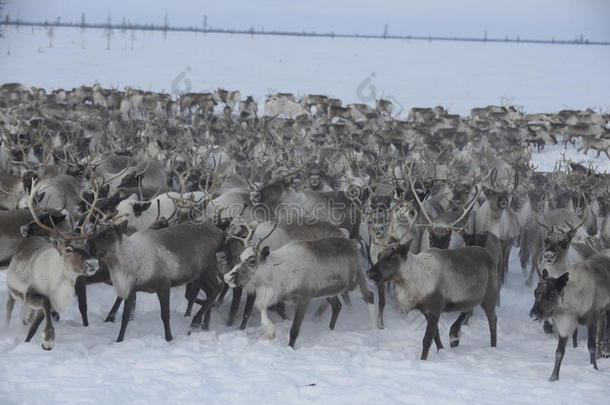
[
  {"x": 592, "y": 342},
  {"x": 223, "y": 292},
  {"x": 602, "y": 325},
  {"x": 561, "y": 349},
  {"x": 34, "y": 326},
  {"x": 467, "y": 319},
  {"x": 454, "y": 331},
  {"x": 368, "y": 297},
  {"x": 431, "y": 330},
  {"x": 237, "y": 292},
  {"x": 212, "y": 289},
  {"x": 335, "y": 305},
  {"x": 115, "y": 308},
  {"x": 346, "y": 300},
  {"x": 190, "y": 293},
  {"x": 10, "y": 304},
  {"x": 299, "y": 314},
  {"x": 575, "y": 338},
  {"x": 127, "y": 309},
  {"x": 80, "y": 287},
  {"x": 163, "y": 295},
  {"x": 247, "y": 310},
  {"x": 381, "y": 305},
  {"x": 492, "y": 321},
  {"x": 266, "y": 322},
  {"x": 437, "y": 341},
  {"x": 48, "y": 334}
]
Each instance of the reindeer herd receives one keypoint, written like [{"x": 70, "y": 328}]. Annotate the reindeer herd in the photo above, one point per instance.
[{"x": 305, "y": 202}]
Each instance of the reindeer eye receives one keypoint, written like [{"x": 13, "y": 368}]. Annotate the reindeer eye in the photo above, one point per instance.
[
  {"x": 252, "y": 260},
  {"x": 69, "y": 250}
]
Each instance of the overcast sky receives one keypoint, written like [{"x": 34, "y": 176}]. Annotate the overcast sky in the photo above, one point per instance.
[{"x": 545, "y": 19}]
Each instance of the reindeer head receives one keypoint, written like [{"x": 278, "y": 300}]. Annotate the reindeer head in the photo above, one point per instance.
[
  {"x": 388, "y": 263},
  {"x": 547, "y": 294},
  {"x": 76, "y": 257},
  {"x": 103, "y": 242},
  {"x": 475, "y": 239},
  {"x": 498, "y": 200},
  {"x": 249, "y": 260}
]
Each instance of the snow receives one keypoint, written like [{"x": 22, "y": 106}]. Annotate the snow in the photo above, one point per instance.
[
  {"x": 352, "y": 364},
  {"x": 460, "y": 76}
]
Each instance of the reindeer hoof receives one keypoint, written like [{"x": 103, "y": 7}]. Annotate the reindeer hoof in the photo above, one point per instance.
[
  {"x": 548, "y": 328},
  {"x": 109, "y": 318},
  {"x": 554, "y": 378},
  {"x": 47, "y": 345},
  {"x": 379, "y": 324},
  {"x": 454, "y": 342}
]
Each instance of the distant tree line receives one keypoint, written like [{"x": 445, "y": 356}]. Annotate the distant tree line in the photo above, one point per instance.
[{"x": 108, "y": 26}]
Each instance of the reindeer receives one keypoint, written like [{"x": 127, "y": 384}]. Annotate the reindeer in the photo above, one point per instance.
[
  {"x": 579, "y": 296},
  {"x": 299, "y": 272},
  {"x": 497, "y": 217},
  {"x": 153, "y": 261},
  {"x": 15, "y": 225},
  {"x": 441, "y": 280},
  {"x": 559, "y": 229},
  {"x": 240, "y": 235},
  {"x": 43, "y": 272}
]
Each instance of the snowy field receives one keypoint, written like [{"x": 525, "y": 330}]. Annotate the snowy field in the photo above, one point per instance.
[
  {"x": 353, "y": 364},
  {"x": 457, "y": 75}
]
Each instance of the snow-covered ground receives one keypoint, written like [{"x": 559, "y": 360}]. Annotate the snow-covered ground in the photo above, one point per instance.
[
  {"x": 541, "y": 78},
  {"x": 353, "y": 364}
]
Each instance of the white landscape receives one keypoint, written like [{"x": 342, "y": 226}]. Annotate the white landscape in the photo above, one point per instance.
[{"x": 353, "y": 364}]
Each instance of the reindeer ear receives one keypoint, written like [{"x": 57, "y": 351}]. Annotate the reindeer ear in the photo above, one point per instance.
[
  {"x": 264, "y": 252},
  {"x": 545, "y": 275},
  {"x": 140, "y": 207},
  {"x": 58, "y": 243},
  {"x": 562, "y": 281}
]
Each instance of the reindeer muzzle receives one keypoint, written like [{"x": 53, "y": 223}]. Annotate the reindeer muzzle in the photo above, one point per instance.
[
  {"x": 374, "y": 275},
  {"x": 550, "y": 257},
  {"x": 229, "y": 278},
  {"x": 25, "y": 230},
  {"x": 91, "y": 266},
  {"x": 536, "y": 314}
]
